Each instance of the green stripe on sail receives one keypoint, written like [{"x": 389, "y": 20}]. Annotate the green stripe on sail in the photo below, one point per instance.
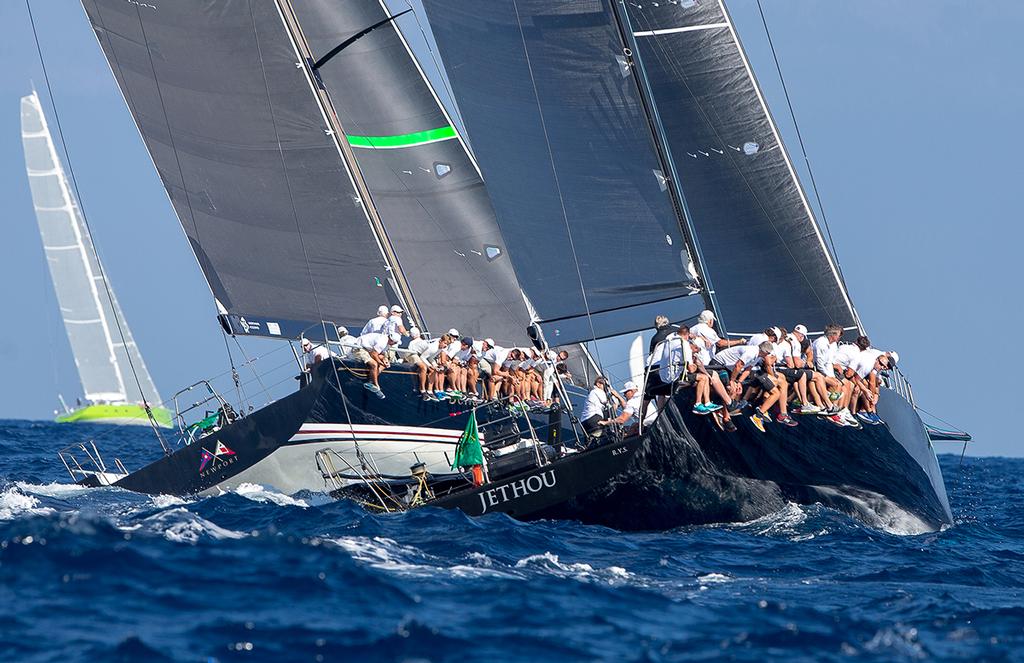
[{"x": 403, "y": 140}]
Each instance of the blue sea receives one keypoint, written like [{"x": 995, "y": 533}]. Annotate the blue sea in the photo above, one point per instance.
[{"x": 255, "y": 575}]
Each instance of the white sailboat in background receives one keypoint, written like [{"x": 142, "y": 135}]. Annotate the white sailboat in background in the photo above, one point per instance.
[{"x": 103, "y": 354}]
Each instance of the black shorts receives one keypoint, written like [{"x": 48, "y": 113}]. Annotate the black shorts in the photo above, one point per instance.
[
  {"x": 590, "y": 424},
  {"x": 759, "y": 380},
  {"x": 791, "y": 374}
]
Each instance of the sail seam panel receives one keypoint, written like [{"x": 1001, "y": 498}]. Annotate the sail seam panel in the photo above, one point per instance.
[
  {"x": 789, "y": 164},
  {"x": 554, "y": 171},
  {"x": 768, "y": 216},
  {"x": 426, "y": 81}
]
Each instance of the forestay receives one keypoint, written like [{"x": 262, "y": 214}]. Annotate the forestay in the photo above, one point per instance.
[
  {"x": 762, "y": 249},
  {"x": 425, "y": 187},
  {"x": 242, "y": 147},
  {"x": 556, "y": 122},
  {"x": 90, "y": 316}
]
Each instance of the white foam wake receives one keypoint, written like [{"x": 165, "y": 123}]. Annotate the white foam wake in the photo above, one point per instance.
[
  {"x": 258, "y": 493},
  {"x": 182, "y": 526},
  {"x": 15, "y": 504}
]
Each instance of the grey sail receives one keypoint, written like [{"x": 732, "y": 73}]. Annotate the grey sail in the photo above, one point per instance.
[
  {"x": 557, "y": 124},
  {"x": 763, "y": 252},
  {"x": 426, "y": 188},
  {"x": 243, "y": 150},
  {"x": 89, "y": 315}
]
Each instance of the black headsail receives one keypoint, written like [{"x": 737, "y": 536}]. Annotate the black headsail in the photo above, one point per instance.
[
  {"x": 762, "y": 250},
  {"x": 422, "y": 180},
  {"x": 556, "y": 120},
  {"x": 242, "y": 147}
]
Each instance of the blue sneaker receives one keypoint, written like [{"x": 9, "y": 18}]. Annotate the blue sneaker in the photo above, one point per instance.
[
  {"x": 712, "y": 407},
  {"x": 865, "y": 417},
  {"x": 700, "y": 408}
]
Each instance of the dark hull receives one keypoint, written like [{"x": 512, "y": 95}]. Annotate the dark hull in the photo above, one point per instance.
[
  {"x": 543, "y": 492},
  {"x": 686, "y": 470},
  {"x": 689, "y": 472}
]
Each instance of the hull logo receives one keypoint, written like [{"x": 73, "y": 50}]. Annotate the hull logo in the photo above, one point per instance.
[
  {"x": 516, "y": 489},
  {"x": 210, "y": 460}
]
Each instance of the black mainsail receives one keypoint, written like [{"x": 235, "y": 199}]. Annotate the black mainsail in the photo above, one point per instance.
[
  {"x": 762, "y": 249},
  {"x": 556, "y": 120},
  {"x": 423, "y": 182},
  {"x": 235, "y": 132}
]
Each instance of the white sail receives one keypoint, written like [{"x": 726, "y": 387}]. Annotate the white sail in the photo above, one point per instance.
[{"x": 88, "y": 314}]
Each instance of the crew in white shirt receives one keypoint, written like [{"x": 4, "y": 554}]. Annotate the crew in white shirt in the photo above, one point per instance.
[
  {"x": 347, "y": 341},
  {"x": 705, "y": 327},
  {"x": 373, "y": 349},
  {"x": 418, "y": 346},
  {"x": 376, "y": 325},
  {"x": 312, "y": 354},
  {"x": 593, "y": 413}
]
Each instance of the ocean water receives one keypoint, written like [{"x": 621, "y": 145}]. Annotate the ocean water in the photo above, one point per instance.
[{"x": 254, "y": 575}]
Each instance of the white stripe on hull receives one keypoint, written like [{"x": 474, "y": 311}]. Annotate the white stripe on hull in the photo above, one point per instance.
[{"x": 392, "y": 449}]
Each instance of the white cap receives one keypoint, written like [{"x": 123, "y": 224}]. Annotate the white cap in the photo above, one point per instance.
[
  {"x": 489, "y": 341},
  {"x": 800, "y": 329},
  {"x": 629, "y": 386},
  {"x": 706, "y": 317},
  {"x": 453, "y": 332},
  {"x": 551, "y": 355},
  {"x": 307, "y": 341},
  {"x": 382, "y": 310},
  {"x": 414, "y": 332},
  {"x": 394, "y": 337},
  {"x": 342, "y": 330},
  {"x": 895, "y": 357},
  {"x": 778, "y": 333},
  {"x": 397, "y": 309}
]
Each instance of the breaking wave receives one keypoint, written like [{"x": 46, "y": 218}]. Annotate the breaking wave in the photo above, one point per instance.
[{"x": 254, "y": 574}]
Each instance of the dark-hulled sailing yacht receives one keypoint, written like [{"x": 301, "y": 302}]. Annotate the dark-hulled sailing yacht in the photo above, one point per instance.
[{"x": 618, "y": 162}]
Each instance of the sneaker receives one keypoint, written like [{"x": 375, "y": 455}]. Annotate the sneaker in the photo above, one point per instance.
[
  {"x": 865, "y": 417},
  {"x": 810, "y": 409},
  {"x": 836, "y": 419},
  {"x": 712, "y": 407},
  {"x": 785, "y": 419},
  {"x": 699, "y": 408},
  {"x": 737, "y": 406},
  {"x": 729, "y": 426},
  {"x": 848, "y": 418},
  {"x": 440, "y": 395},
  {"x": 758, "y": 420},
  {"x": 379, "y": 394},
  {"x": 369, "y": 386},
  {"x": 875, "y": 419}
]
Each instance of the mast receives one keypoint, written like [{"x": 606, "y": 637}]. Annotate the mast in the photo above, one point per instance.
[
  {"x": 338, "y": 134},
  {"x": 675, "y": 189}
]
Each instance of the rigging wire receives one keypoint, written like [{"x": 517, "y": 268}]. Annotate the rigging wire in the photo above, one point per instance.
[
  {"x": 800, "y": 139},
  {"x": 85, "y": 220}
]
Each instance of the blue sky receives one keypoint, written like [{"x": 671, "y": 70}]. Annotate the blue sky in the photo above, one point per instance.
[{"x": 910, "y": 112}]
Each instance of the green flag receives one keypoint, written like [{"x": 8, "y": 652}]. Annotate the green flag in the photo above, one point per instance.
[{"x": 468, "y": 451}]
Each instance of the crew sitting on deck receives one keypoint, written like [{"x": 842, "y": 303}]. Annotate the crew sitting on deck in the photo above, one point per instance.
[
  {"x": 373, "y": 350},
  {"x": 418, "y": 347},
  {"x": 744, "y": 360}
]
